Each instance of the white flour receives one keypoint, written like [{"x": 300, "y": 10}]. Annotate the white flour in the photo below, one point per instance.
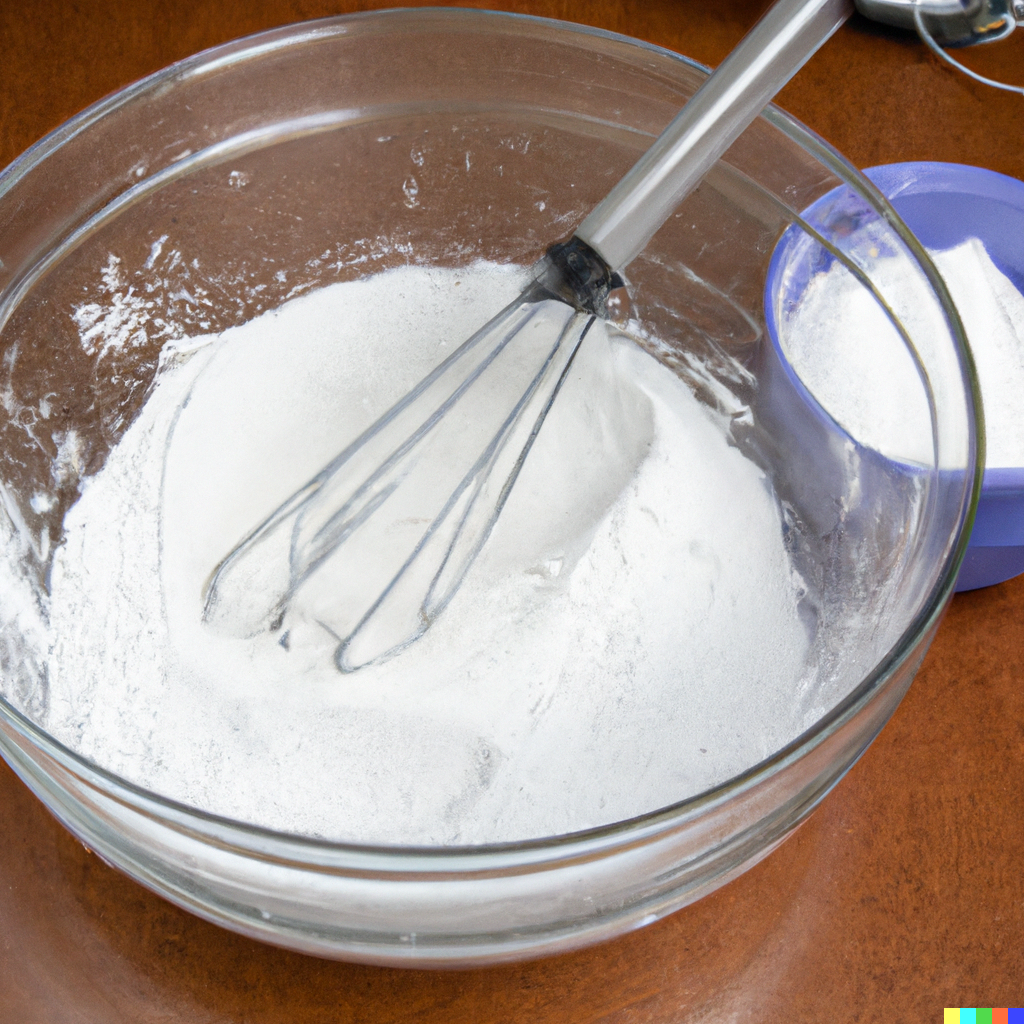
[
  {"x": 845, "y": 349},
  {"x": 628, "y": 636}
]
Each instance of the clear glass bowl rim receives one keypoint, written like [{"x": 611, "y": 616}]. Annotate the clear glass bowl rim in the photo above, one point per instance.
[{"x": 260, "y": 842}]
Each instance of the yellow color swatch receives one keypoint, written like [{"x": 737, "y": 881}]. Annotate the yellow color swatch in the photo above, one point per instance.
[{"x": 951, "y": 1015}]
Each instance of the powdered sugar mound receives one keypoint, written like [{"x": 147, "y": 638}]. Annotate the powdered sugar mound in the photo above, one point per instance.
[
  {"x": 845, "y": 348},
  {"x": 992, "y": 310},
  {"x": 628, "y": 636}
]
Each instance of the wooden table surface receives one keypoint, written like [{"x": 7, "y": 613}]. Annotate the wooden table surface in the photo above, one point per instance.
[{"x": 903, "y": 893}]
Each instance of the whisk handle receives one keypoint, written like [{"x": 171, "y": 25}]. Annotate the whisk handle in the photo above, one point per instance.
[{"x": 763, "y": 62}]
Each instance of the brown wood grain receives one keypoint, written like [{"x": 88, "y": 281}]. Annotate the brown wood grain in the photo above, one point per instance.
[{"x": 902, "y": 894}]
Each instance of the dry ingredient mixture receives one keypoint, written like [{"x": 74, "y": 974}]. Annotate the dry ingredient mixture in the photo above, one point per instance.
[
  {"x": 864, "y": 376},
  {"x": 628, "y": 637}
]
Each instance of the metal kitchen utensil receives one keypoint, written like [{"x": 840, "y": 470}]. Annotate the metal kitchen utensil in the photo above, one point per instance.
[{"x": 389, "y": 528}]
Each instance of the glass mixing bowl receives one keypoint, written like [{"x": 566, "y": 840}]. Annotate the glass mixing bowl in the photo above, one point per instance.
[{"x": 210, "y": 192}]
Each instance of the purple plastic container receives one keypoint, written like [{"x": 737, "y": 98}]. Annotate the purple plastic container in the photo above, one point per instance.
[{"x": 944, "y": 205}]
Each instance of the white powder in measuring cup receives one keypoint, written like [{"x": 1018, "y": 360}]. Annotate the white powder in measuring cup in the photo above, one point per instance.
[
  {"x": 629, "y": 635},
  {"x": 845, "y": 349}
]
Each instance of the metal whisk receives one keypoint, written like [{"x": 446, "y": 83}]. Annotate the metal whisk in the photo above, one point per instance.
[{"x": 392, "y": 524}]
